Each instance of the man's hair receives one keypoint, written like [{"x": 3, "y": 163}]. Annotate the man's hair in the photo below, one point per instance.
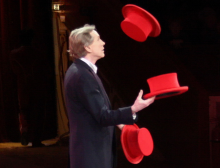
[{"x": 80, "y": 38}]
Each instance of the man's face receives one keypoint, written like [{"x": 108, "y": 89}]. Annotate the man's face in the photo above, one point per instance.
[{"x": 96, "y": 49}]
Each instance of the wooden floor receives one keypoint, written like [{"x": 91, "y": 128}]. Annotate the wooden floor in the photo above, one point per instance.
[{"x": 14, "y": 155}]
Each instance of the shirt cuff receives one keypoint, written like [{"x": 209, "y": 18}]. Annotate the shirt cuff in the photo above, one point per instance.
[{"x": 134, "y": 116}]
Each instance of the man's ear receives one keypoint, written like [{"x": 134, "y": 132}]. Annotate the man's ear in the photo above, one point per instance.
[{"x": 87, "y": 48}]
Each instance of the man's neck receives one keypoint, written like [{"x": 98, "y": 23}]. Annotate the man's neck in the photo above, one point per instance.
[{"x": 91, "y": 59}]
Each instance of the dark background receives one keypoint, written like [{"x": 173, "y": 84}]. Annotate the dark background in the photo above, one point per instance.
[{"x": 188, "y": 44}]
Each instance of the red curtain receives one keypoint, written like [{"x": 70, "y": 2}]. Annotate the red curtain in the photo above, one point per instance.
[
  {"x": 16, "y": 15},
  {"x": 9, "y": 37}
]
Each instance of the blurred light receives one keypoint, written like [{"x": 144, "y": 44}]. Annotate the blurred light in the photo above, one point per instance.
[{"x": 56, "y": 7}]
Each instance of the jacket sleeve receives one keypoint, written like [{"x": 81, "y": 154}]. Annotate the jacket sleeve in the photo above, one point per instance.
[{"x": 92, "y": 100}]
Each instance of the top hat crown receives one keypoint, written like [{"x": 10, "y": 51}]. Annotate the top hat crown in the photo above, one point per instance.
[{"x": 138, "y": 23}]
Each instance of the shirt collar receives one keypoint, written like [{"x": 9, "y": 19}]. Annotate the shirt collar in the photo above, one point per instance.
[{"x": 91, "y": 65}]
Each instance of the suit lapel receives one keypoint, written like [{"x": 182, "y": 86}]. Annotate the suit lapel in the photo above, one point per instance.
[
  {"x": 102, "y": 89},
  {"x": 78, "y": 61}
]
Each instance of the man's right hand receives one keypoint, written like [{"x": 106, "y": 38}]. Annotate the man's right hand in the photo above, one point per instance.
[{"x": 140, "y": 104}]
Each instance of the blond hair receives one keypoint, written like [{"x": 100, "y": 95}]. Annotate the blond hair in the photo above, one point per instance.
[{"x": 80, "y": 38}]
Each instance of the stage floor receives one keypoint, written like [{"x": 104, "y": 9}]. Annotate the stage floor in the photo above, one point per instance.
[{"x": 14, "y": 155}]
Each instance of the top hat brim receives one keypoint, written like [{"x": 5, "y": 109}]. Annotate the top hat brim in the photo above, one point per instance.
[
  {"x": 166, "y": 93},
  {"x": 128, "y": 154},
  {"x": 155, "y": 24}
]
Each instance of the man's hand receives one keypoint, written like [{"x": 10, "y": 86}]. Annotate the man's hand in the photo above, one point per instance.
[
  {"x": 140, "y": 104},
  {"x": 120, "y": 126}
]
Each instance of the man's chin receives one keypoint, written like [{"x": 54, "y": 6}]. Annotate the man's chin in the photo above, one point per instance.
[{"x": 102, "y": 56}]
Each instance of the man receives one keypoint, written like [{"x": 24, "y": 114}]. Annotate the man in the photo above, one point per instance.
[{"x": 91, "y": 119}]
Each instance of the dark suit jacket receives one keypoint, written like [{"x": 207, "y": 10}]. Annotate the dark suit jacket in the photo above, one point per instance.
[{"x": 91, "y": 118}]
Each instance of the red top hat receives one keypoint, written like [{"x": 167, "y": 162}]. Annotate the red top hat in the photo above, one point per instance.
[
  {"x": 138, "y": 23},
  {"x": 136, "y": 143},
  {"x": 165, "y": 85}
]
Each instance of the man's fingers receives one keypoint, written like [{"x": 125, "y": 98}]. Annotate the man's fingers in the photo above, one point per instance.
[
  {"x": 140, "y": 94},
  {"x": 150, "y": 100}
]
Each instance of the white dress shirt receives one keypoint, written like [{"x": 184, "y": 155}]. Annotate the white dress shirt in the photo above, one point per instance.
[{"x": 91, "y": 65}]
